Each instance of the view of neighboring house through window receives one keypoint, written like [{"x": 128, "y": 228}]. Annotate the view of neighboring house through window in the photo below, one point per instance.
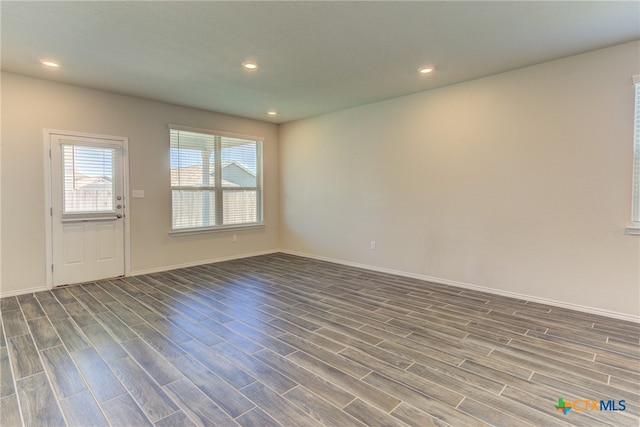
[{"x": 216, "y": 179}]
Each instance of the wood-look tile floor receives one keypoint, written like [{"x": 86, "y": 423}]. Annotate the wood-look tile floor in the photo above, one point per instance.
[{"x": 288, "y": 341}]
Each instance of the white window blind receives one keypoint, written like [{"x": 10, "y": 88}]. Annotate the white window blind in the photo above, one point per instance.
[
  {"x": 636, "y": 154},
  {"x": 88, "y": 185},
  {"x": 216, "y": 179}
]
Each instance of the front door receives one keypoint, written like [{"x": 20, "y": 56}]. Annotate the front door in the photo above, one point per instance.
[{"x": 87, "y": 208}]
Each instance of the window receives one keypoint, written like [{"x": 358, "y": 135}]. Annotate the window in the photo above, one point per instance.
[
  {"x": 88, "y": 186},
  {"x": 636, "y": 155},
  {"x": 216, "y": 180}
]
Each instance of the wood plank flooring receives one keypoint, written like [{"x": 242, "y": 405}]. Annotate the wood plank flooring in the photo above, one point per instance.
[{"x": 280, "y": 340}]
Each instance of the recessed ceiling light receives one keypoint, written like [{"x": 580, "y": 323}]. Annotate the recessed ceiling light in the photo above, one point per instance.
[
  {"x": 426, "y": 70},
  {"x": 250, "y": 65},
  {"x": 49, "y": 63},
  {"x": 272, "y": 113}
]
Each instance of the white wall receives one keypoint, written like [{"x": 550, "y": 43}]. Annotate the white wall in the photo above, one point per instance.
[
  {"x": 518, "y": 182},
  {"x": 30, "y": 105}
]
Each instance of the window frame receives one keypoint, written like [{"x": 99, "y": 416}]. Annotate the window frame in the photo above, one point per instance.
[
  {"x": 634, "y": 229},
  {"x": 218, "y": 190},
  {"x": 115, "y": 188}
]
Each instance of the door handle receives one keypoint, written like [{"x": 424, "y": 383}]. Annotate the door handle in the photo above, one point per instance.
[{"x": 118, "y": 216}]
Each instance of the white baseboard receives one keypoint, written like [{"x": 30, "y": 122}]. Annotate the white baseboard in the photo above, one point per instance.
[
  {"x": 152, "y": 270},
  {"x": 23, "y": 291},
  {"x": 561, "y": 304},
  {"x": 202, "y": 262}
]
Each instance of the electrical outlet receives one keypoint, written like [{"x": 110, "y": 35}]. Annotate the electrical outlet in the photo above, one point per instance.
[
  {"x": 372, "y": 245},
  {"x": 234, "y": 238}
]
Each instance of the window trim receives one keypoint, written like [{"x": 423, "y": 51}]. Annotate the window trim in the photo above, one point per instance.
[
  {"x": 259, "y": 188},
  {"x": 216, "y": 229},
  {"x": 219, "y": 133},
  {"x": 634, "y": 229},
  {"x": 116, "y": 165}
]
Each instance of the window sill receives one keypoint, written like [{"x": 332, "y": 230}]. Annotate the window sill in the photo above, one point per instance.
[
  {"x": 632, "y": 230},
  {"x": 189, "y": 231}
]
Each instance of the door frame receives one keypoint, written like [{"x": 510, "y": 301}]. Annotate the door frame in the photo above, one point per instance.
[{"x": 47, "y": 135}]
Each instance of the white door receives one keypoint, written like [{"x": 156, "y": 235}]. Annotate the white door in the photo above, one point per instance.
[{"x": 87, "y": 208}]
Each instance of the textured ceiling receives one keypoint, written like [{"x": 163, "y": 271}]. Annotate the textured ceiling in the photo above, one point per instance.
[{"x": 314, "y": 57}]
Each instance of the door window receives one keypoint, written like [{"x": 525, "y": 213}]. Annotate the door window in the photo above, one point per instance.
[{"x": 88, "y": 184}]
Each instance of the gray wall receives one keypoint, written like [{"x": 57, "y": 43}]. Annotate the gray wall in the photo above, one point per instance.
[
  {"x": 31, "y": 105},
  {"x": 518, "y": 182}
]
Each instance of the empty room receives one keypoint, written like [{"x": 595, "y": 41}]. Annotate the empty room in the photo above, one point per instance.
[{"x": 322, "y": 213}]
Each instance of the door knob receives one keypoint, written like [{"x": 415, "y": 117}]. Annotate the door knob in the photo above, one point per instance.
[
  {"x": 119, "y": 216},
  {"x": 118, "y": 197}
]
